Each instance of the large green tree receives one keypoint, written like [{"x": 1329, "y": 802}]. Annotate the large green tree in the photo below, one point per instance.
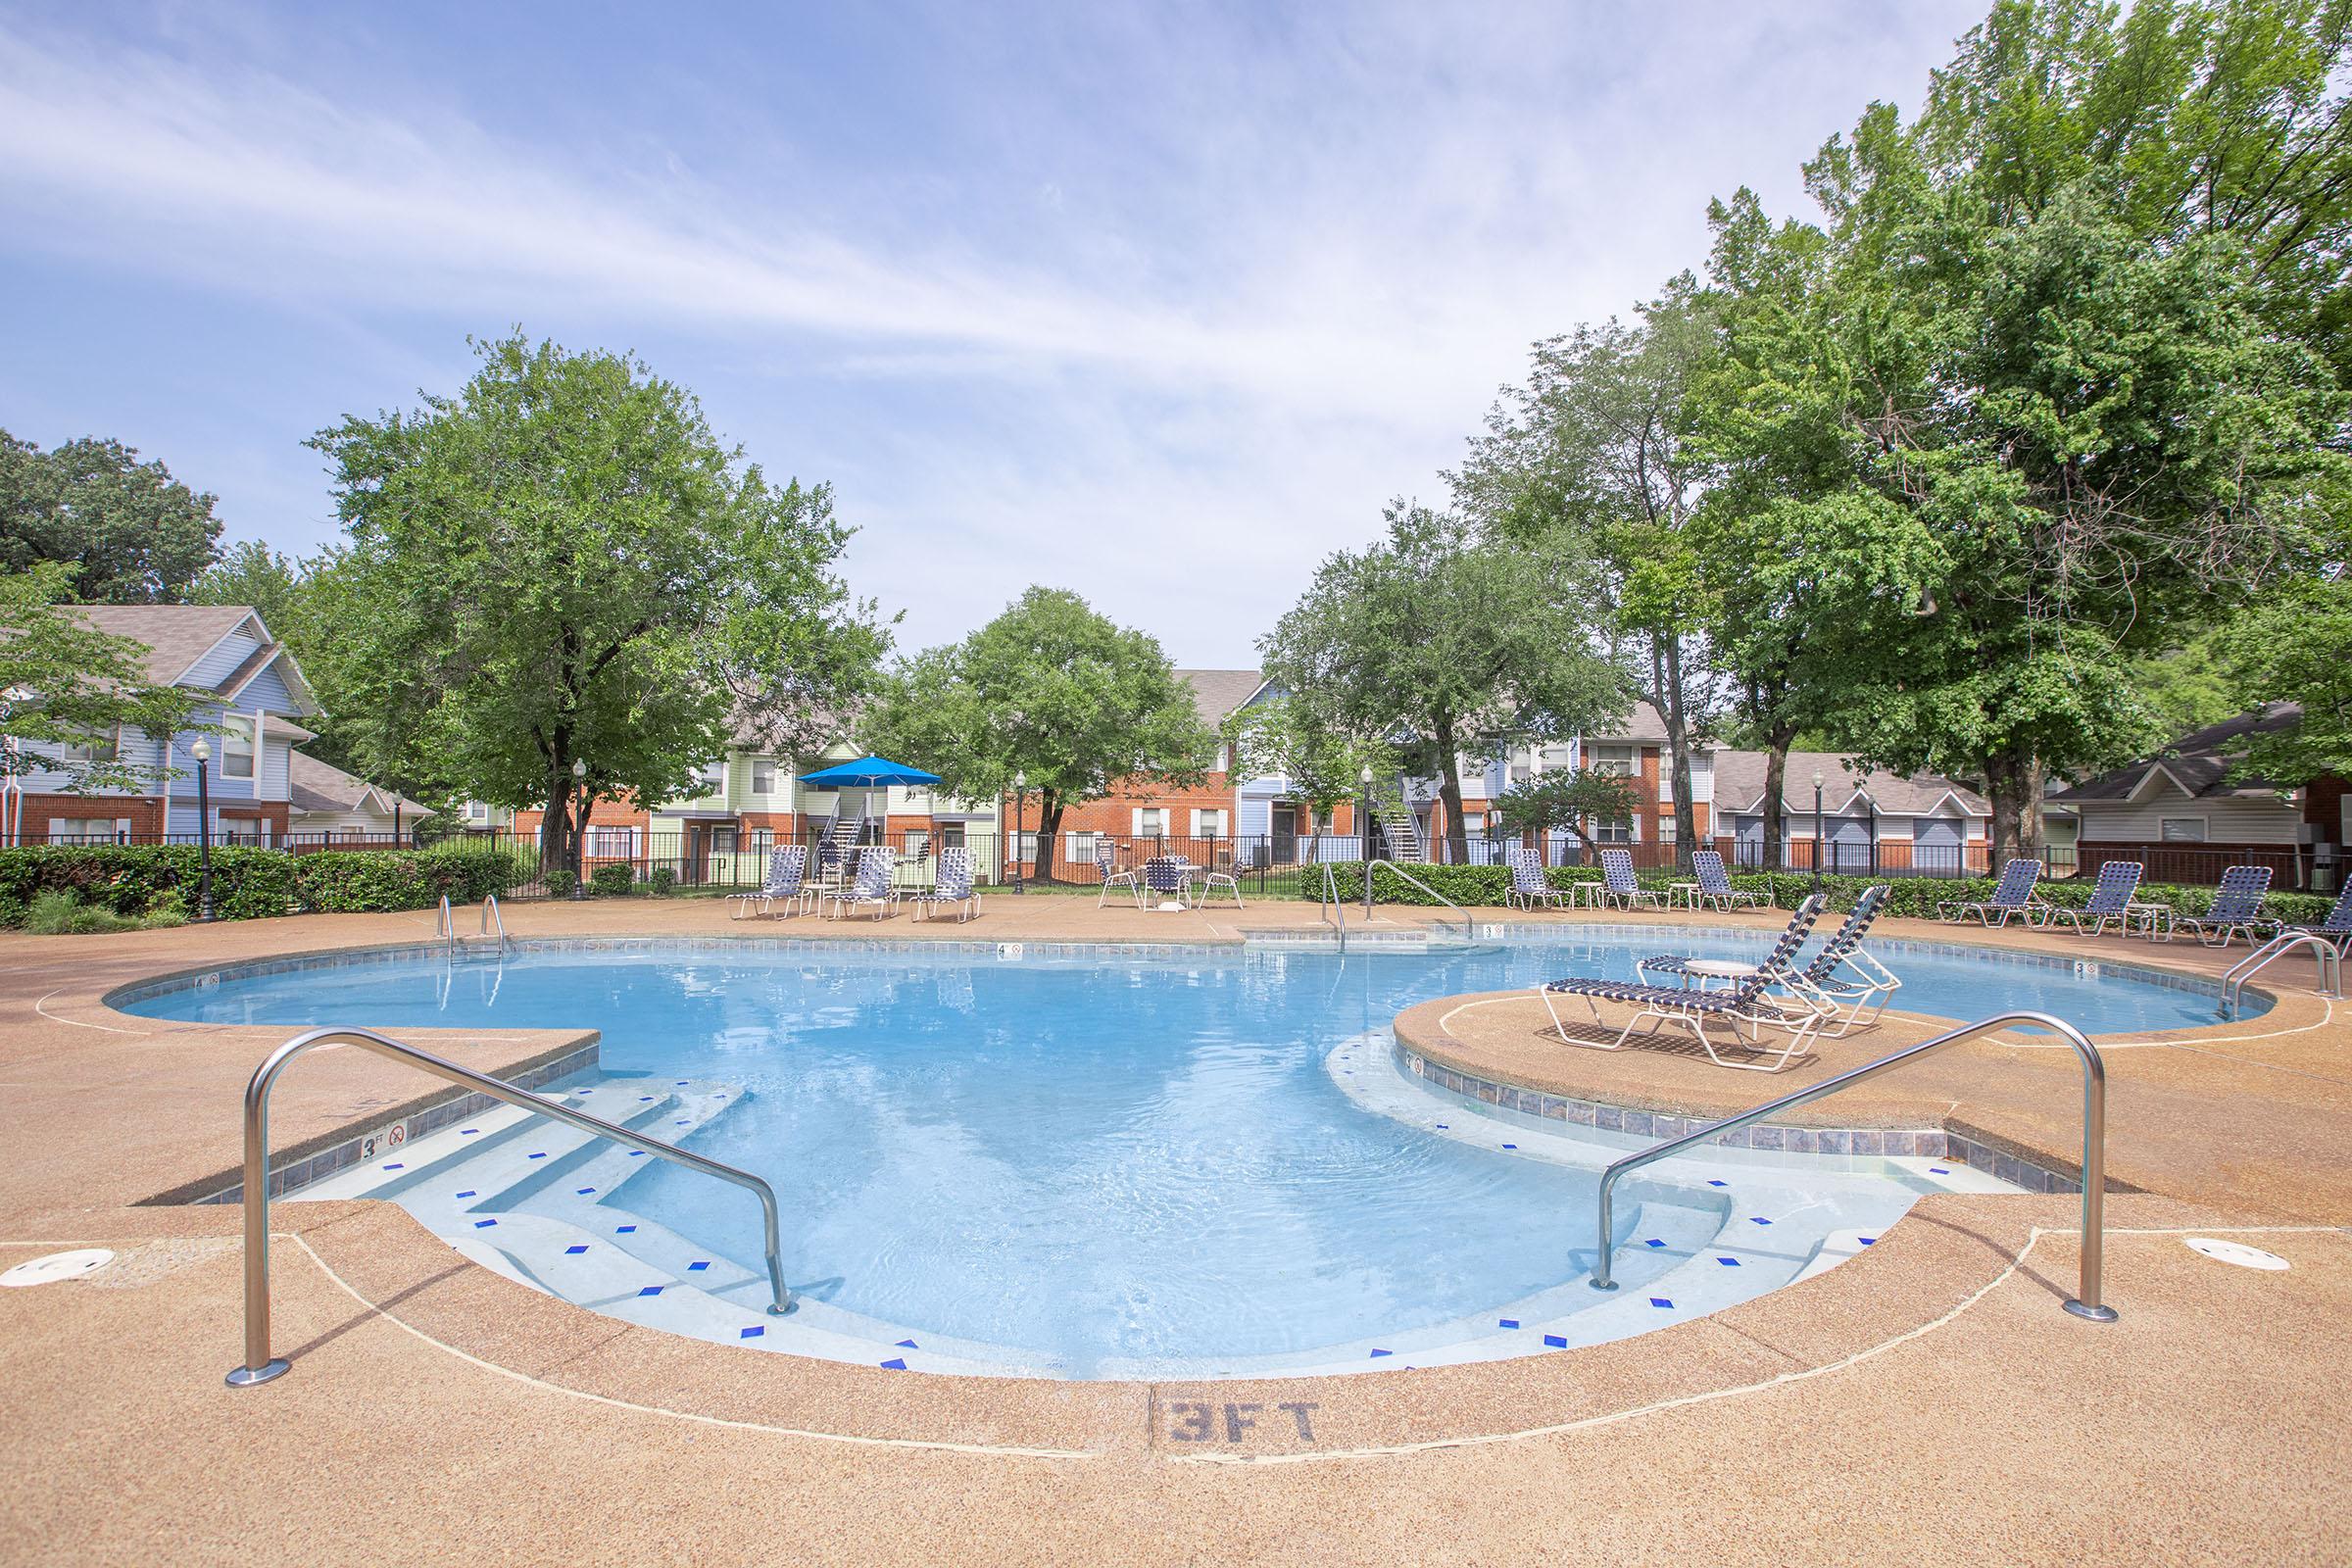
[
  {"x": 563, "y": 565},
  {"x": 68, "y": 690},
  {"x": 2298, "y": 649},
  {"x": 1441, "y": 642},
  {"x": 126, "y": 531},
  {"x": 1284, "y": 738},
  {"x": 1051, "y": 692}
]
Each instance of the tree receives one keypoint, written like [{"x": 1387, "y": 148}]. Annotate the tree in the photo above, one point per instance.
[
  {"x": 252, "y": 573},
  {"x": 1593, "y": 445},
  {"x": 2298, "y": 650},
  {"x": 1281, "y": 738},
  {"x": 1436, "y": 640},
  {"x": 1571, "y": 798},
  {"x": 66, "y": 689},
  {"x": 1050, "y": 691},
  {"x": 127, "y": 532},
  {"x": 563, "y": 565}
]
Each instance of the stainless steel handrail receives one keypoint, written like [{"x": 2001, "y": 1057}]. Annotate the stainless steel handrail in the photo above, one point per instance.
[
  {"x": 2094, "y": 1143},
  {"x": 260, "y": 1366},
  {"x": 1331, "y": 901},
  {"x": 445, "y": 923},
  {"x": 491, "y": 918},
  {"x": 2331, "y": 967},
  {"x": 1469, "y": 928},
  {"x": 445, "y": 926}
]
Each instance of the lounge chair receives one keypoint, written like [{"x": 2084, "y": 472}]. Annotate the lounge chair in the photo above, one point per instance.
[
  {"x": 1846, "y": 980},
  {"x": 2237, "y": 908},
  {"x": 2110, "y": 900},
  {"x": 841, "y": 839},
  {"x": 1166, "y": 877},
  {"x": 1212, "y": 879},
  {"x": 1777, "y": 963},
  {"x": 1105, "y": 863},
  {"x": 2337, "y": 928},
  {"x": 787, "y": 875},
  {"x": 1742, "y": 1004},
  {"x": 872, "y": 888},
  {"x": 1715, "y": 884},
  {"x": 953, "y": 890},
  {"x": 1618, "y": 883},
  {"x": 2013, "y": 895},
  {"x": 1530, "y": 888}
]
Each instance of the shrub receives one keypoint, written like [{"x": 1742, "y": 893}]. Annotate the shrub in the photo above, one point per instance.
[
  {"x": 612, "y": 880},
  {"x": 663, "y": 881},
  {"x": 51, "y": 912},
  {"x": 139, "y": 880},
  {"x": 561, "y": 884}
]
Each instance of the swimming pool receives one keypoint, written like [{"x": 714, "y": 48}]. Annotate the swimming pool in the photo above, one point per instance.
[{"x": 1124, "y": 1162}]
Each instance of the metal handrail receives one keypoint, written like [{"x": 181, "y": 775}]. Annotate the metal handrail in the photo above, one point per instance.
[
  {"x": 260, "y": 1366},
  {"x": 445, "y": 924},
  {"x": 1331, "y": 901},
  {"x": 2086, "y": 1303},
  {"x": 2331, "y": 967},
  {"x": 491, "y": 918},
  {"x": 1469, "y": 928}
]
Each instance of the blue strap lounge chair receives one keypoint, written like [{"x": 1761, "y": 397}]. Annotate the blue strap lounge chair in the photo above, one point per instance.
[
  {"x": 2110, "y": 900},
  {"x": 2236, "y": 909},
  {"x": 872, "y": 888},
  {"x": 1715, "y": 885},
  {"x": 1168, "y": 879},
  {"x": 787, "y": 870},
  {"x": 2337, "y": 928},
  {"x": 1619, "y": 884},
  {"x": 953, "y": 890},
  {"x": 2013, "y": 895},
  {"x": 1846, "y": 980},
  {"x": 1776, "y": 961},
  {"x": 1530, "y": 888},
  {"x": 1743, "y": 1005},
  {"x": 1107, "y": 865}
]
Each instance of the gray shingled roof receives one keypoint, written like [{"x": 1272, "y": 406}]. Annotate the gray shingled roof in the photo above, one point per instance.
[
  {"x": 315, "y": 786},
  {"x": 1740, "y": 786},
  {"x": 2199, "y": 760},
  {"x": 175, "y": 636},
  {"x": 1218, "y": 692}
]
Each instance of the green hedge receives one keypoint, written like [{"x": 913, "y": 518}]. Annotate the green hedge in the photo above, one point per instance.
[
  {"x": 1917, "y": 895},
  {"x": 251, "y": 883},
  {"x": 611, "y": 880}
]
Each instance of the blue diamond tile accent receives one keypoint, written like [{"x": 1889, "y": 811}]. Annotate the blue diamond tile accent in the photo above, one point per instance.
[
  {"x": 573, "y": 1251},
  {"x": 909, "y": 1345},
  {"x": 1660, "y": 1300},
  {"x": 681, "y": 1083},
  {"x": 1555, "y": 1341},
  {"x": 1506, "y": 1322},
  {"x": 698, "y": 1265},
  {"x": 1870, "y": 1241},
  {"x": 1445, "y": 1126},
  {"x": 582, "y": 1191},
  {"x": 1757, "y": 1219},
  {"x": 396, "y": 1165},
  {"x": 1728, "y": 1262},
  {"x": 470, "y": 1193},
  {"x": 1713, "y": 1182},
  {"x": 484, "y": 1224},
  {"x": 751, "y": 1332},
  {"x": 468, "y": 1132},
  {"x": 1653, "y": 1241},
  {"x": 651, "y": 1290},
  {"x": 644, "y": 1099},
  {"x": 682, "y": 1122},
  {"x": 542, "y": 1155},
  {"x": 896, "y": 1363},
  {"x": 1511, "y": 1145},
  {"x": 623, "y": 1230},
  {"x": 1384, "y": 1352},
  {"x": 636, "y": 1153},
  {"x": 1937, "y": 1170}
]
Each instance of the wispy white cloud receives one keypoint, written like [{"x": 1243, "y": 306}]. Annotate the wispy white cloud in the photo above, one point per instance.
[{"x": 1168, "y": 308}]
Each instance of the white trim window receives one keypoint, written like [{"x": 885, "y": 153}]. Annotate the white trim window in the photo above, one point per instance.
[
  {"x": 1151, "y": 821},
  {"x": 1208, "y": 822},
  {"x": 100, "y": 747},
  {"x": 236, "y": 747},
  {"x": 764, "y": 775},
  {"x": 2180, "y": 829},
  {"x": 86, "y": 829},
  {"x": 612, "y": 843},
  {"x": 1080, "y": 851}
]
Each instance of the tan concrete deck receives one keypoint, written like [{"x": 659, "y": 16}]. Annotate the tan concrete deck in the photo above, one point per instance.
[{"x": 1923, "y": 1401}]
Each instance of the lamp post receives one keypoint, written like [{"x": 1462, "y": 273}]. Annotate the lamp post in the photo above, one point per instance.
[
  {"x": 201, "y": 750},
  {"x": 1818, "y": 781},
  {"x": 1363, "y": 829},
  {"x": 1020, "y": 793},
  {"x": 579, "y": 828}
]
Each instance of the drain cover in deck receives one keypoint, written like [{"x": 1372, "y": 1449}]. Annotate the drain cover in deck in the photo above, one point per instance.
[
  {"x": 58, "y": 1266},
  {"x": 2237, "y": 1252}
]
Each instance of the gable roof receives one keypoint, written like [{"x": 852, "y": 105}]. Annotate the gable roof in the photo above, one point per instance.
[
  {"x": 1846, "y": 783},
  {"x": 2198, "y": 763},
  {"x": 174, "y": 636},
  {"x": 315, "y": 786},
  {"x": 1218, "y": 692}
]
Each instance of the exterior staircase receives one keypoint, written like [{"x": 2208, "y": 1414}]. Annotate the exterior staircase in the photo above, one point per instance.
[{"x": 1402, "y": 834}]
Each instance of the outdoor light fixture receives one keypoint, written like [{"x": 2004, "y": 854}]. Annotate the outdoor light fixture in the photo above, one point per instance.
[
  {"x": 579, "y": 858},
  {"x": 201, "y": 750},
  {"x": 1363, "y": 829},
  {"x": 1818, "y": 781},
  {"x": 1020, "y": 789}
]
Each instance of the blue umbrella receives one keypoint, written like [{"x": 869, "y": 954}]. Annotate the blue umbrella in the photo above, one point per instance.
[{"x": 869, "y": 773}]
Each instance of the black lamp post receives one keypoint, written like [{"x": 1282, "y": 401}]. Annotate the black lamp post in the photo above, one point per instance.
[
  {"x": 201, "y": 750},
  {"x": 1020, "y": 795},
  {"x": 1817, "y": 844},
  {"x": 579, "y": 829},
  {"x": 1363, "y": 829}
]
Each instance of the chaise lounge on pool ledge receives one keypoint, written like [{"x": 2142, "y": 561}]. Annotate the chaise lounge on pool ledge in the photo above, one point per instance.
[{"x": 2222, "y": 1128}]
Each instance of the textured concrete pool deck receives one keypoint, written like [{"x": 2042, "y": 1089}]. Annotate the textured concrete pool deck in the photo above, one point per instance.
[{"x": 1926, "y": 1400}]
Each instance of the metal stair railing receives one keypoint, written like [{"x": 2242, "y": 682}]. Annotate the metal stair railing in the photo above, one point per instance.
[
  {"x": 2331, "y": 967},
  {"x": 2086, "y": 1303},
  {"x": 1330, "y": 902},
  {"x": 1469, "y": 927},
  {"x": 444, "y": 925},
  {"x": 260, "y": 1366}
]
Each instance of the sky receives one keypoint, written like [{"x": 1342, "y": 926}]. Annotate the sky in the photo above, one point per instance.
[{"x": 1158, "y": 304}]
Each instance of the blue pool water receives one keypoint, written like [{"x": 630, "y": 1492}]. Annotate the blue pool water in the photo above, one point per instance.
[{"x": 1098, "y": 1158}]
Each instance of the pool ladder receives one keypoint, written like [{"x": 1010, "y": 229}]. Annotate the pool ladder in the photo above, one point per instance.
[
  {"x": 1332, "y": 905},
  {"x": 2086, "y": 1303},
  {"x": 2330, "y": 961},
  {"x": 445, "y": 926},
  {"x": 1469, "y": 930},
  {"x": 259, "y": 1365}
]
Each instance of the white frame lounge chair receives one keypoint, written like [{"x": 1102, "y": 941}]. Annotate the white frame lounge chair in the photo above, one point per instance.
[
  {"x": 1782, "y": 957},
  {"x": 2012, "y": 895},
  {"x": 873, "y": 888},
  {"x": 1846, "y": 980},
  {"x": 1531, "y": 888},
  {"x": 1715, "y": 884},
  {"x": 1618, "y": 882},
  {"x": 1166, "y": 877},
  {"x": 1743, "y": 1005},
  {"x": 1211, "y": 879},
  {"x": 953, "y": 889},
  {"x": 787, "y": 876},
  {"x": 1105, "y": 862},
  {"x": 2335, "y": 929},
  {"x": 2110, "y": 900},
  {"x": 2237, "y": 907}
]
